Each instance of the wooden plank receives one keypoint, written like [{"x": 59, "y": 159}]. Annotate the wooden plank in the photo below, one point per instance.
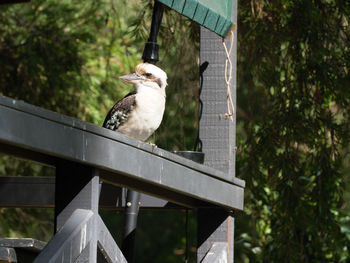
[
  {"x": 26, "y": 249},
  {"x": 86, "y": 255},
  {"x": 215, "y": 225},
  {"x": 17, "y": 191},
  {"x": 217, "y": 133},
  {"x": 77, "y": 187},
  {"x": 7, "y": 255},
  {"x": 121, "y": 159},
  {"x": 218, "y": 253},
  {"x": 57, "y": 123},
  {"x": 25, "y": 243},
  {"x": 70, "y": 240},
  {"x": 107, "y": 245}
]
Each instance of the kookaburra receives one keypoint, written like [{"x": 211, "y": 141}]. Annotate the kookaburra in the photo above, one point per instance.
[{"x": 140, "y": 112}]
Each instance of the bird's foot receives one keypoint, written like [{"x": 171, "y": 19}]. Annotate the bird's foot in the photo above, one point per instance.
[{"x": 153, "y": 145}]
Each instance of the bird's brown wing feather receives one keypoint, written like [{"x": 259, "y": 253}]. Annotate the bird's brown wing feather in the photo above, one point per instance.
[{"x": 120, "y": 112}]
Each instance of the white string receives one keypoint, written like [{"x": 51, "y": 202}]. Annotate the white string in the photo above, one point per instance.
[{"x": 228, "y": 76}]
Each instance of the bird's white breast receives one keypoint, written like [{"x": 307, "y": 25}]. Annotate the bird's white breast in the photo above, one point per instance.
[{"x": 147, "y": 115}]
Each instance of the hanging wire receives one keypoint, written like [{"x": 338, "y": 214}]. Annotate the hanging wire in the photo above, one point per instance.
[
  {"x": 228, "y": 75},
  {"x": 186, "y": 238},
  {"x": 202, "y": 68}
]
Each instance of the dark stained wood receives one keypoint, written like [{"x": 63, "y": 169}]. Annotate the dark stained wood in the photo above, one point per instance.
[
  {"x": 217, "y": 135},
  {"x": 119, "y": 158}
]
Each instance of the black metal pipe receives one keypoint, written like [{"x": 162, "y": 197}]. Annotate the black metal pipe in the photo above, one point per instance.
[
  {"x": 150, "y": 53},
  {"x": 131, "y": 213}
]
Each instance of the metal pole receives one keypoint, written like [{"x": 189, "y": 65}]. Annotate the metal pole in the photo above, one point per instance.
[
  {"x": 150, "y": 55},
  {"x": 131, "y": 213}
]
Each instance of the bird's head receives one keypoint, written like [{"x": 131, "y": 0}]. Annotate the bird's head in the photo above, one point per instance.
[{"x": 148, "y": 75}]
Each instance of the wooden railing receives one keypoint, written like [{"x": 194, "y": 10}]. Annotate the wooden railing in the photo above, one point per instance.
[{"x": 84, "y": 155}]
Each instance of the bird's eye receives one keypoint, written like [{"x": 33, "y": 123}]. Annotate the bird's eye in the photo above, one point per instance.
[{"x": 148, "y": 74}]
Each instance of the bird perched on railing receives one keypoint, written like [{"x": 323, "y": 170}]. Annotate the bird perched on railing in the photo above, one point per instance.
[{"x": 140, "y": 112}]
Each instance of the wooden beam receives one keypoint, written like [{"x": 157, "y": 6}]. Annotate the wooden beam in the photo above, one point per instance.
[
  {"x": 17, "y": 191},
  {"x": 217, "y": 135},
  {"x": 121, "y": 160},
  {"x": 218, "y": 253},
  {"x": 7, "y": 255},
  {"x": 215, "y": 225},
  {"x": 77, "y": 186},
  {"x": 69, "y": 242},
  {"x": 106, "y": 244},
  {"x": 26, "y": 249}
]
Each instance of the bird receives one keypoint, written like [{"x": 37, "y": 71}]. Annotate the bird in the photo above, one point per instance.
[{"x": 141, "y": 111}]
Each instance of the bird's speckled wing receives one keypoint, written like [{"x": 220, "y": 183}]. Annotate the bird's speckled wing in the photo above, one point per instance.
[{"x": 120, "y": 112}]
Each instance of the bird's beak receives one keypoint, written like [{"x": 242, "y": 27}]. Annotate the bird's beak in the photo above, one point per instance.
[{"x": 132, "y": 78}]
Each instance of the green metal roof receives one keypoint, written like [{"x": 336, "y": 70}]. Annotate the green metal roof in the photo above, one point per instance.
[{"x": 212, "y": 14}]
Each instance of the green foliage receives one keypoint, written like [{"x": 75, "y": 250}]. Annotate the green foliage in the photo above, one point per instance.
[
  {"x": 40, "y": 54},
  {"x": 166, "y": 240},
  {"x": 293, "y": 112},
  {"x": 29, "y": 222},
  {"x": 67, "y": 56},
  {"x": 294, "y": 99}
]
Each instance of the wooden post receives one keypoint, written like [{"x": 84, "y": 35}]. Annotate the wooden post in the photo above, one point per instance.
[
  {"x": 217, "y": 134},
  {"x": 218, "y": 140},
  {"x": 215, "y": 225},
  {"x": 77, "y": 187}
]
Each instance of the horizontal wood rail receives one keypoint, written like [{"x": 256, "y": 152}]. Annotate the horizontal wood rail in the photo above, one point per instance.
[
  {"x": 49, "y": 137},
  {"x": 39, "y": 192}
]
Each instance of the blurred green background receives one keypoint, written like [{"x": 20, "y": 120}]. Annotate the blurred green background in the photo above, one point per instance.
[{"x": 293, "y": 88}]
